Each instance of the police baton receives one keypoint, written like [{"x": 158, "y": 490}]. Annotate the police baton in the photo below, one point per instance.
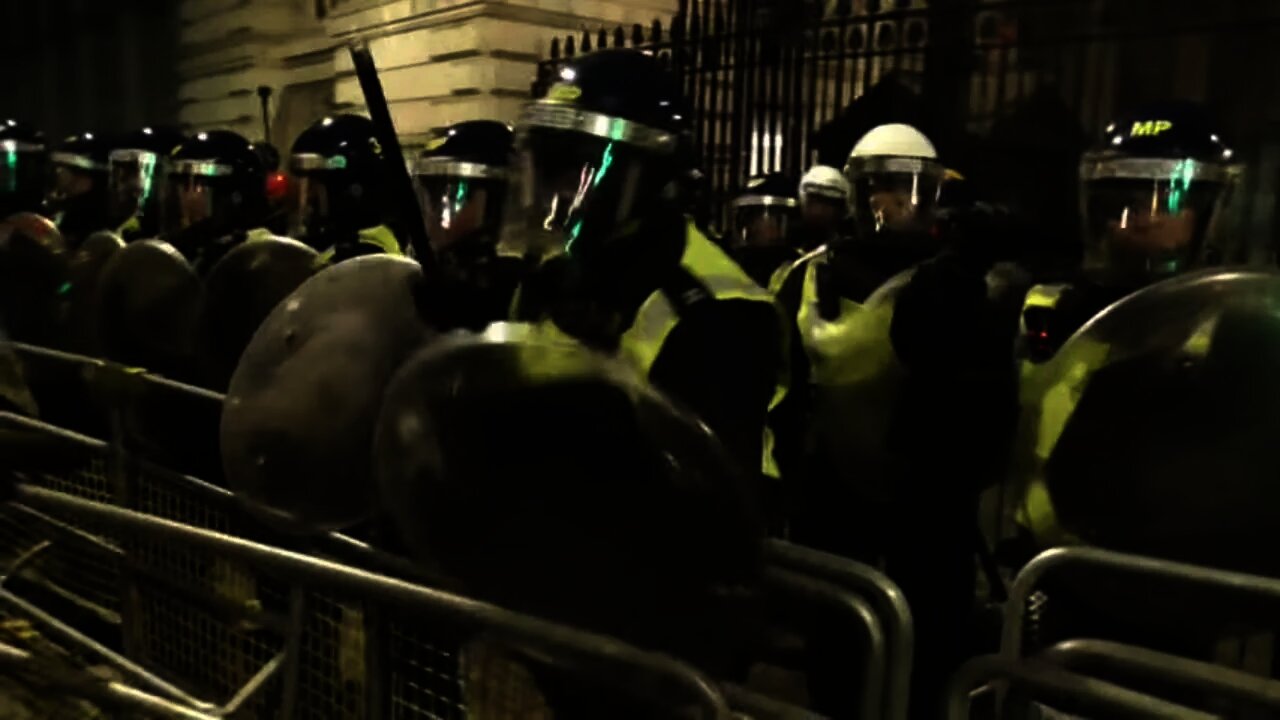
[{"x": 406, "y": 205}]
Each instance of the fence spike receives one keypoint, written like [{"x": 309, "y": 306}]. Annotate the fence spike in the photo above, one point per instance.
[
  {"x": 602, "y": 39},
  {"x": 619, "y": 37},
  {"x": 569, "y": 48},
  {"x": 655, "y": 31},
  {"x": 586, "y": 41},
  {"x": 637, "y": 35},
  {"x": 555, "y": 49}
]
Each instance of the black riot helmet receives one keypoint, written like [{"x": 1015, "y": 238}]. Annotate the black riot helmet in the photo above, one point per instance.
[
  {"x": 1152, "y": 190},
  {"x": 137, "y": 167},
  {"x": 462, "y": 181},
  {"x": 598, "y": 154},
  {"x": 764, "y": 211},
  {"x": 22, "y": 175},
  {"x": 77, "y": 196},
  {"x": 338, "y": 181},
  {"x": 217, "y": 185}
]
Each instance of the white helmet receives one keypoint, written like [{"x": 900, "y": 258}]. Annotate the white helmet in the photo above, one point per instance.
[
  {"x": 896, "y": 178},
  {"x": 894, "y": 140},
  {"x": 826, "y": 182}
]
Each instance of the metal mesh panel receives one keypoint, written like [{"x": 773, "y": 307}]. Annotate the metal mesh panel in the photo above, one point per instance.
[
  {"x": 331, "y": 681},
  {"x": 425, "y": 673},
  {"x": 88, "y": 574},
  {"x": 210, "y": 652}
]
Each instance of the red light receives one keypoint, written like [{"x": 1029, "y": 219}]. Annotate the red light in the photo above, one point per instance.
[{"x": 277, "y": 186}]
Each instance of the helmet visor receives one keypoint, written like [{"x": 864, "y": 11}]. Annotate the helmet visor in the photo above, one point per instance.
[
  {"x": 761, "y": 224},
  {"x": 573, "y": 192},
  {"x": 22, "y": 173},
  {"x": 457, "y": 208},
  {"x": 1147, "y": 228},
  {"x": 310, "y": 208},
  {"x": 896, "y": 194},
  {"x": 67, "y": 182},
  {"x": 132, "y": 183},
  {"x": 199, "y": 194}
]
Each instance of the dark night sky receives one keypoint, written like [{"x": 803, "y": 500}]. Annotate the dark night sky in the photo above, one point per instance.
[{"x": 106, "y": 65}]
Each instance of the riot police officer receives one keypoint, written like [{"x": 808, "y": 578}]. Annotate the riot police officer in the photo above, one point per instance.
[
  {"x": 1153, "y": 191},
  {"x": 765, "y": 215},
  {"x": 825, "y": 200},
  {"x": 598, "y": 166},
  {"x": 137, "y": 172},
  {"x": 462, "y": 183},
  {"x": 910, "y": 382},
  {"x": 24, "y": 172},
  {"x": 338, "y": 189},
  {"x": 78, "y": 200},
  {"x": 216, "y": 196}
]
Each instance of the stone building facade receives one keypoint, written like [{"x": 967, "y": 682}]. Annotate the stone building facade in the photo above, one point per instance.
[{"x": 441, "y": 61}]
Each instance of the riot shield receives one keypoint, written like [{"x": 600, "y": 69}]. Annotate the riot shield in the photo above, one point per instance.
[
  {"x": 84, "y": 276},
  {"x": 540, "y": 474},
  {"x": 241, "y": 290},
  {"x": 1154, "y": 427},
  {"x": 33, "y": 260},
  {"x": 148, "y": 301},
  {"x": 300, "y": 412}
]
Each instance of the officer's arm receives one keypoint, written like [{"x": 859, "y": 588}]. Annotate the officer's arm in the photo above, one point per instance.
[{"x": 722, "y": 361}]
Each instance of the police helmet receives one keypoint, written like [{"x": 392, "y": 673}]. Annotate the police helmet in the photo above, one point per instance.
[
  {"x": 1151, "y": 191},
  {"x": 217, "y": 183},
  {"x": 77, "y": 192},
  {"x": 338, "y": 179},
  {"x": 22, "y": 177},
  {"x": 462, "y": 181},
  {"x": 764, "y": 211},
  {"x": 896, "y": 178},
  {"x": 597, "y": 154},
  {"x": 137, "y": 168}
]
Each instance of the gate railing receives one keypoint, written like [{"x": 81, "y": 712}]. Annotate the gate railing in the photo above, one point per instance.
[
  {"x": 773, "y": 84},
  {"x": 164, "y": 578}
]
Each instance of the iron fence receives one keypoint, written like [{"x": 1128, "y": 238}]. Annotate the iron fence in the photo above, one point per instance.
[
  {"x": 130, "y": 564},
  {"x": 1010, "y": 90}
]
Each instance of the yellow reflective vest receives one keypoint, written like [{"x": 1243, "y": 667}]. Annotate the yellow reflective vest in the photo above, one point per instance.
[
  {"x": 657, "y": 317},
  {"x": 1048, "y": 396},
  {"x": 855, "y": 374},
  {"x": 379, "y": 237}
]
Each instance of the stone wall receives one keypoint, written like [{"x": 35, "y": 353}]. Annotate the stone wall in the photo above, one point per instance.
[{"x": 441, "y": 61}]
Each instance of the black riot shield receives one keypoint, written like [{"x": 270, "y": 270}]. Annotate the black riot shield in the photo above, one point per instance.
[
  {"x": 1155, "y": 425},
  {"x": 84, "y": 276},
  {"x": 33, "y": 268},
  {"x": 149, "y": 298},
  {"x": 300, "y": 411},
  {"x": 241, "y": 290},
  {"x": 544, "y": 476}
]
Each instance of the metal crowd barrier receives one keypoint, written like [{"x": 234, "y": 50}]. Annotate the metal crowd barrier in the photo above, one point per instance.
[
  {"x": 213, "y": 614},
  {"x": 1088, "y": 675}
]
